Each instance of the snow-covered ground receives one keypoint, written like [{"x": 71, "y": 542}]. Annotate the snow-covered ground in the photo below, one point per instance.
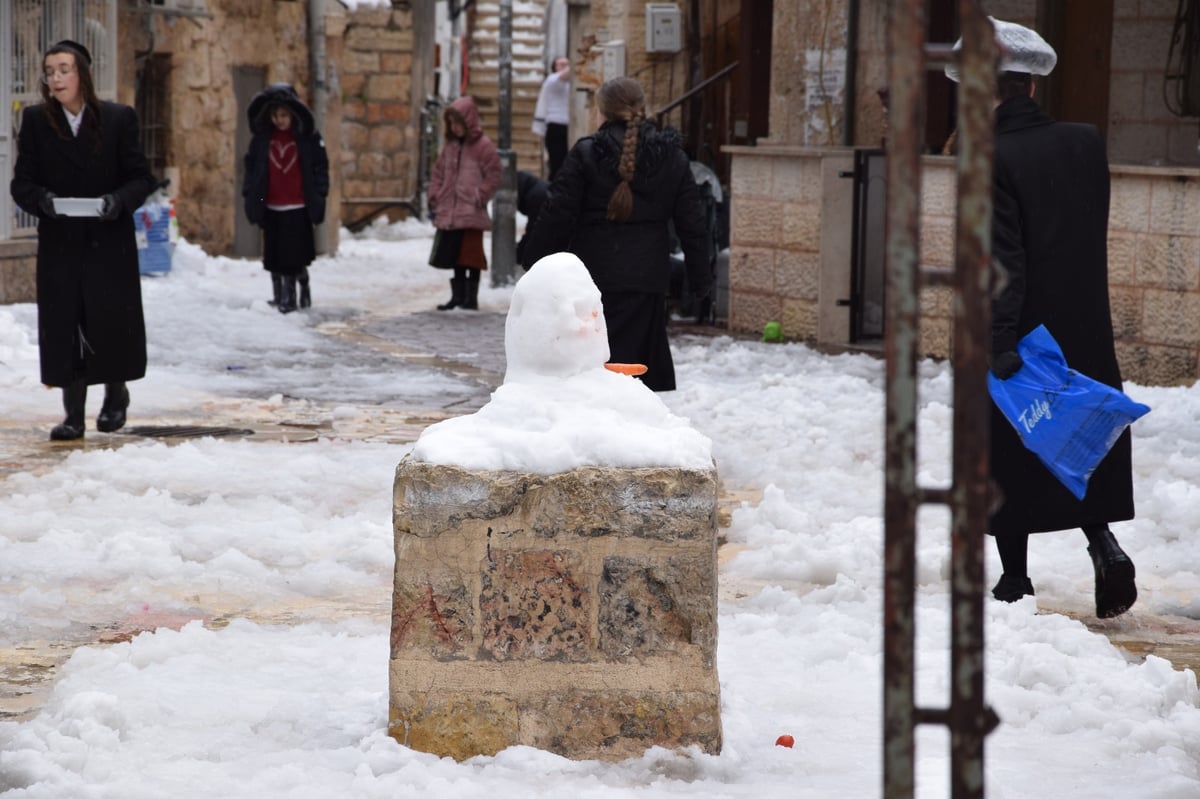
[{"x": 258, "y": 709}]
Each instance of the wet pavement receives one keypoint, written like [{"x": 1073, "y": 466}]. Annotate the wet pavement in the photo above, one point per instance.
[{"x": 465, "y": 351}]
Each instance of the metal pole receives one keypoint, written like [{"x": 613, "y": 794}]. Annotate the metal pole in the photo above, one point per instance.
[
  {"x": 504, "y": 206},
  {"x": 906, "y": 104},
  {"x": 320, "y": 93},
  {"x": 970, "y": 719}
]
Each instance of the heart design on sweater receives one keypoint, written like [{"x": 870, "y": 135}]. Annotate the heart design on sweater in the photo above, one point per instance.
[{"x": 283, "y": 155}]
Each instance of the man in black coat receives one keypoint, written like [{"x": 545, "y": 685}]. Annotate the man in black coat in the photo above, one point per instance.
[
  {"x": 89, "y": 295},
  {"x": 1050, "y": 232}
]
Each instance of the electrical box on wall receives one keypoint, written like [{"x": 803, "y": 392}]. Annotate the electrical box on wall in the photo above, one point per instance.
[
  {"x": 664, "y": 28},
  {"x": 613, "y": 61}
]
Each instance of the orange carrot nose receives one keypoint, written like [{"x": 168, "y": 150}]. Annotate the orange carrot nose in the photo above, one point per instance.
[{"x": 626, "y": 368}]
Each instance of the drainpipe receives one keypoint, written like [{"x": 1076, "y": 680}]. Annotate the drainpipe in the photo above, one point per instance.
[
  {"x": 320, "y": 91},
  {"x": 504, "y": 205},
  {"x": 852, "y": 12}
]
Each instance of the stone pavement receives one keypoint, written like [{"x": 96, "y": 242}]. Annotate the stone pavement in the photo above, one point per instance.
[{"x": 466, "y": 350}]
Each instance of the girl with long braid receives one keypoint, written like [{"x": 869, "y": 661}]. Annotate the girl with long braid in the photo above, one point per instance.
[{"x": 612, "y": 204}]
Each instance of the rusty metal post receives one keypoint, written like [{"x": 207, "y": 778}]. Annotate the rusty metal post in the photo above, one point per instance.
[
  {"x": 906, "y": 115},
  {"x": 968, "y": 718}
]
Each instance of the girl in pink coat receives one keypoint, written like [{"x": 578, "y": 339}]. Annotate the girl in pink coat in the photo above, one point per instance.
[{"x": 465, "y": 177}]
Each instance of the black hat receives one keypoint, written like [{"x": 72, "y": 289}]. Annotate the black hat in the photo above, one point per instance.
[{"x": 76, "y": 47}]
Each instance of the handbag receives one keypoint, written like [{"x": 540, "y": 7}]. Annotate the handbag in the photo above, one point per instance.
[{"x": 1067, "y": 419}]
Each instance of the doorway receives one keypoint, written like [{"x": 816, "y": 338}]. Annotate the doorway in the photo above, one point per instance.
[{"x": 247, "y": 82}]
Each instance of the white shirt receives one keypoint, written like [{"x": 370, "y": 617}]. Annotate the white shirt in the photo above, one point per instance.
[
  {"x": 554, "y": 103},
  {"x": 74, "y": 120}
]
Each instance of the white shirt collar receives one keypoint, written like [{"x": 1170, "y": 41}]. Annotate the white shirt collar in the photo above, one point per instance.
[{"x": 74, "y": 120}]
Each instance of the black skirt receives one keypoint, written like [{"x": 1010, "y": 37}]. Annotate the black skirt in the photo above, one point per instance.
[
  {"x": 288, "y": 245},
  {"x": 637, "y": 333},
  {"x": 460, "y": 247}
]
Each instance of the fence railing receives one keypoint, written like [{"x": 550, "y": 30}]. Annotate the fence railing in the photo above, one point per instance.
[{"x": 27, "y": 29}]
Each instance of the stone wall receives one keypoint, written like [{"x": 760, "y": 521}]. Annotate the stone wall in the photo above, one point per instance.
[
  {"x": 1154, "y": 273},
  {"x": 808, "y": 65},
  {"x": 203, "y": 112},
  {"x": 574, "y": 612},
  {"x": 379, "y": 146},
  {"x": 663, "y": 76},
  {"x": 789, "y": 256},
  {"x": 1141, "y": 129},
  {"x": 18, "y": 270}
]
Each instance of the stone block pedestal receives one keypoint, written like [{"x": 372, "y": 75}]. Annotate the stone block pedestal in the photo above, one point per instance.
[{"x": 574, "y": 612}]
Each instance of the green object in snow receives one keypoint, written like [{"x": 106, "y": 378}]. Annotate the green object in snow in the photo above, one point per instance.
[{"x": 772, "y": 331}]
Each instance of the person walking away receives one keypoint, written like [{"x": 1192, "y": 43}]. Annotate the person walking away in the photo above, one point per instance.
[
  {"x": 91, "y": 327},
  {"x": 465, "y": 178},
  {"x": 1050, "y": 232},
  {"x": 613, "y": 204},
  {"x": 284, "y": 189},
  {"x": 553, "y": 113}
]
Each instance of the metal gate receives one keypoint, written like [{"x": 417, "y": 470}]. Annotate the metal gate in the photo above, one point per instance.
[
  {"x": 967, "y": 717},
  {"x": 27, "y": 29}
]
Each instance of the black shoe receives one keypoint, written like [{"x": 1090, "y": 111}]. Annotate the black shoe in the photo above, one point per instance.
[
  {"x": 458, "y": 287},
  {"x": 1010, "y": 588},
  {"x": 66, "y": 432},
  {"x": 1115, "y": 588},
  {"x": 112, "y": 412},
  {"x": 305, "y": 294},
  {"x": 287, "y": 295},
  {"x": 470, "y": 300},
  {"x": 74, "y": 403}
]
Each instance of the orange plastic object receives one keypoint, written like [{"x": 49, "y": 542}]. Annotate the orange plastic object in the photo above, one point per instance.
[{"x": 626, "y": 368}]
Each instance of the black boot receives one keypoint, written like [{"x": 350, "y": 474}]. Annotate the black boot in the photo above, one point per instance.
[
  {"x": 74, "y": 402},
  {"x": 305, "y": 296},
  {"x": 1010, "y": 588},
  {"x": 112, "y": 412},
  {"x": 287, "y": 296},
  {"x": 457, "y": 288},
  {"x": 1115, "y": 589},
  {"x": 471, "y": 292},
  {"x": 277, "y": 289}
]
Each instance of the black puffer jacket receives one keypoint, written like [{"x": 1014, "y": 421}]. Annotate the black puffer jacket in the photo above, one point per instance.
[
  {"x": 634, "y": 255},
  {"x": 313, "y": 158}
]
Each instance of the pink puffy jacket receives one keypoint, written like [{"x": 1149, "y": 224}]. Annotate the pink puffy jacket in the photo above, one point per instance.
[{"x": 466, "y": 174}]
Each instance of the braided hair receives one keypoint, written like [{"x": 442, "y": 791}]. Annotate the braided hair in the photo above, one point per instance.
[{"x": 622, "y": 100}]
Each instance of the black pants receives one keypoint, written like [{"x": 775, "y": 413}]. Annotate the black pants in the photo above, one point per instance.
[{"x": 556, "y": 146}]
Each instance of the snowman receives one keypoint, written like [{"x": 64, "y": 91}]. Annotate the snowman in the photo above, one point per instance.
[{"x": 562, "y": 405}]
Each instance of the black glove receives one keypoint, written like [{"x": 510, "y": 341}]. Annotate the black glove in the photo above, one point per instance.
[
  {"x": 46, "y": 204},
  {"x": 1006, "y": 364},
  {"x": 110, "y": 207}
]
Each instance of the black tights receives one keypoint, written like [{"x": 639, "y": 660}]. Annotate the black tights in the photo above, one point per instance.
[{"x": 1014, "y": 549}]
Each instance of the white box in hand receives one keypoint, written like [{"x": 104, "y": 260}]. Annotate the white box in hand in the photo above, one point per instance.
[{"x": 78, "y": 206}]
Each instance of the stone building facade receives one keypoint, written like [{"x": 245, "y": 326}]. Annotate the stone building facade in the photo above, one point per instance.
[{"x": 793, "y": 219}]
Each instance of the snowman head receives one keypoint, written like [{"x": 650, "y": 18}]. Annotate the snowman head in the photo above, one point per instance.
[{"x": 555, "y": 324}]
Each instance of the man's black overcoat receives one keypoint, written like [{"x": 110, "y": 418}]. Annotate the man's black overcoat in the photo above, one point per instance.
[{"x": 1050, "y": 229}]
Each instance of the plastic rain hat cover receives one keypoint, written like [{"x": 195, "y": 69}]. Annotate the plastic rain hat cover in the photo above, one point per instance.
[{"x": 1022, "y": 50}]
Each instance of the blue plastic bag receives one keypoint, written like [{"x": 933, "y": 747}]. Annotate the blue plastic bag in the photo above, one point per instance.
[{"x": 1068, "y": 420}]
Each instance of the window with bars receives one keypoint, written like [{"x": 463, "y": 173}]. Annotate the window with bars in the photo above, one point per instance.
[{"x": 153, "y": 109}]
